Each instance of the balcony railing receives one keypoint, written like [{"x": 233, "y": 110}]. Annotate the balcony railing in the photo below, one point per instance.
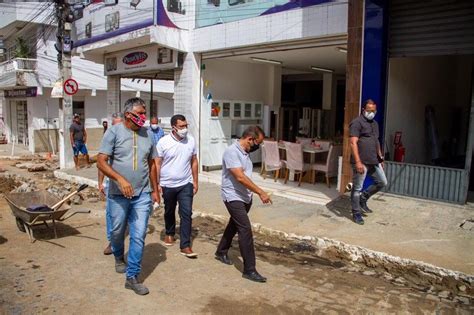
[{"x": 18, "y": 64}]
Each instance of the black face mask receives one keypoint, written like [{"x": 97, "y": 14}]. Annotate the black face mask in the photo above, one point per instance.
[{"x": 254, "y": 147}]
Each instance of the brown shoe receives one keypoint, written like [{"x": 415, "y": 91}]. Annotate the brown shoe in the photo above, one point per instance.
[
  {"x": 108, "y": 250},
  {"x": 169, "y": 240},
  {"x": 188, "y": 252}
]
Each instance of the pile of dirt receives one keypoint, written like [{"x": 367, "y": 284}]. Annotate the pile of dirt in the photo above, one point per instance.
[{"x": 7, "y": 184}]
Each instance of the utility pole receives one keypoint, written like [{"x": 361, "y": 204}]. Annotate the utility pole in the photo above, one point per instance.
[{"x": 64, "y": 47}]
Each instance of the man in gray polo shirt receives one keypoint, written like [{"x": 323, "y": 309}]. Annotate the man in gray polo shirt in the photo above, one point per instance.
[
  {"x": 130, "y": 150},
  {"x": 236, "y": 191}
]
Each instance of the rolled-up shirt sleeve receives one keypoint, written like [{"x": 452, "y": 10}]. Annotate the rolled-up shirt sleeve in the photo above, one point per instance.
[
  {"x": 153, "y": 152},
  {"x": 108, "y": 142},
  {"x": 159, "y": 149},
  {"x": 354, "y": 129},
  {"x": 231, "y": 159}
]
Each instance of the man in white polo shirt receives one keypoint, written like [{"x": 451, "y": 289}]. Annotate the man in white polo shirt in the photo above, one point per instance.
[{"x": 177, "y": 167}]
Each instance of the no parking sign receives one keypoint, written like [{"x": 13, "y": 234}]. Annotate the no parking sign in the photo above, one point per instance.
[{"x": 71, "y": 87}]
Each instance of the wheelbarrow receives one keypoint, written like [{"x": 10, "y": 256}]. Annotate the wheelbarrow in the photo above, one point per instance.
[{"x": 38, "y": 207}]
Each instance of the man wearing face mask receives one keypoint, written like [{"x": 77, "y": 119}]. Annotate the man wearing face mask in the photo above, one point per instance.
[
  {"x": 130, "y": 150},
  {"x": 155, "y": 131},
  {"x": 236, "y": 192},
  {"x": 177, "y": 167},
  {"x": 366, "y": 159}
]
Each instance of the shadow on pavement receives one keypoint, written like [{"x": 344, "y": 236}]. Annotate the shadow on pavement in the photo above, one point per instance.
[
  {"x": 153, "y": 255},
  {"x": 341, "y": 207}
]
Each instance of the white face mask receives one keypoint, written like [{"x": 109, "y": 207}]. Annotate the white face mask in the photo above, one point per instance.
[
  {"x": 154, "y": 126},
  {"x": 369, "y": 115},
  {"x": 182, "y": 133}
]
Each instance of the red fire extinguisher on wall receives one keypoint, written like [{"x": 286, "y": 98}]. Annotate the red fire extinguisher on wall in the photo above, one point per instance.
[{"x": 399, "y": 151}]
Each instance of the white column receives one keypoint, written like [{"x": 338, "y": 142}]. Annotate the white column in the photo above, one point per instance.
[
  {"x": 327, "y": 90},
  {"x": 187, "y": 89},
  {"x": 329, "y": 102},
  {"x": 113, "y": 95},
  {"x": 274, "y": 97}
]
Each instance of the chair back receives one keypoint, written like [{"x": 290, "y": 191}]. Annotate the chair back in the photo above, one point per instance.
[
  {"x": 332, "y": 163},
  {"x": 304, "y": 141},
  {"x": 294, "y": 156},
  {"x": 271, "y": 155}
]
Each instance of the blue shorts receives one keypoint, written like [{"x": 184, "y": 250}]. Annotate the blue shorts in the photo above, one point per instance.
[{"x": 80, "y": 147}]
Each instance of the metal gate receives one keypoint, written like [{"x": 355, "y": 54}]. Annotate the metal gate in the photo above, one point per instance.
[
  {"x": 423, "y": 28},
  {"x": 426, "y": 181}
]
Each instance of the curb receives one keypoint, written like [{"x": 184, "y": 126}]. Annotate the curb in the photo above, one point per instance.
[{"x": 421, "y": 274}]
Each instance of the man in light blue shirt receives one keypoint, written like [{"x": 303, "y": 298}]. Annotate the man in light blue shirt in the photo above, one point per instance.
[
  {"x": 127, "y": 156},
  {"x": 156, "y": 131},
  {"x": 236, "y": 191}
]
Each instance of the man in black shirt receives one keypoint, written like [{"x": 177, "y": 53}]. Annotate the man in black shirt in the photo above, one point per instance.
[{"x": 366, "y": 159}]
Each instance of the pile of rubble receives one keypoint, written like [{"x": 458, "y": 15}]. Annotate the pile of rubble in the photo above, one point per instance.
[{"x": 38, "y": 165}]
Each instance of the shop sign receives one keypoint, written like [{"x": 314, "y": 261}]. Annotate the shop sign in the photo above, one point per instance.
[
  {"x": 135, "y": 58},
  {"x": 145, "y": 59},
  {"x": 21, "y": 93}
]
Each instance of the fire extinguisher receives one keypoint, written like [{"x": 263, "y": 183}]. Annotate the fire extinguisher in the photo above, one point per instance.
[
  {"x": 399, "y": 152},
  {"x": 399, "y": 155}
]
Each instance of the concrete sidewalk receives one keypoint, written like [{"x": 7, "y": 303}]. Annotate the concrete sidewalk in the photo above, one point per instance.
[{"x": 405, "y": 227}]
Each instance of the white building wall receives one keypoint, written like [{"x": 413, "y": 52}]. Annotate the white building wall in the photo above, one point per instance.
[
  {"x": 230, "y": 80},
  {"x": 310, "y": 22}
]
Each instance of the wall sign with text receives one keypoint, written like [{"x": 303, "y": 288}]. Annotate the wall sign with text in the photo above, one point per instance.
[{"x": 140, "y": 60}]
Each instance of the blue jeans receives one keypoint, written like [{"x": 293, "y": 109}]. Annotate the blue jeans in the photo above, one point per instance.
[
  {"x": 108, "y": 218},
  {"x": 184, "y": 196},
  {"x": 357, "y": 195},
  {"x": 79, "y": 147},
  {"x": 135, "y": 212}
]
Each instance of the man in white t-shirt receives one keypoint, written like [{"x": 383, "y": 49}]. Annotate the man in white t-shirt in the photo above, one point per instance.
[{"x": 177, "y": 167}]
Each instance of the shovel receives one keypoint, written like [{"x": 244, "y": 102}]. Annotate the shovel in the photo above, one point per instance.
[{"x": 60, "y": 203}]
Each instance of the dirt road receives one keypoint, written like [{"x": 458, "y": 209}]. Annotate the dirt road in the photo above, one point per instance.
[{"x": 71, "y": 275}]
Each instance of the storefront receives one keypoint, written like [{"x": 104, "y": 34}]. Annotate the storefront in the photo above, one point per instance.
[
  {"x": 417, "y": 64},
  {"x": 290, "y": 93}
]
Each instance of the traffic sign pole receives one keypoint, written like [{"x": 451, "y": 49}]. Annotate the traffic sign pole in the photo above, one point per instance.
[{"x": 65, "y": 103}]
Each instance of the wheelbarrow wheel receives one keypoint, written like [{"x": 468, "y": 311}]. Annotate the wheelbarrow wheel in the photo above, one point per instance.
[{"x": 20, "y": 225}]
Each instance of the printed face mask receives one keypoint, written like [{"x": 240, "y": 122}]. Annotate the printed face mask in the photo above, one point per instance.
[
  {"x": 182, "y": 133},
  {"x": 138, "y": 120},
  {"x": 369, "y": 115}
]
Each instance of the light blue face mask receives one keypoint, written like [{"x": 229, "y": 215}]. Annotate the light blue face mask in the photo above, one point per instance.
[{"x": 369, "y": 115}]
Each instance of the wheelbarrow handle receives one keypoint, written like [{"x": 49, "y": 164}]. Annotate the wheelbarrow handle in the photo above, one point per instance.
[{"x": 59, "y": 203}]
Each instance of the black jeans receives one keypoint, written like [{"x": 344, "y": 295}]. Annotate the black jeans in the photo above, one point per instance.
[
  {"x": 239, "y": 222},
  {"x": 184, "y": 196}
]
